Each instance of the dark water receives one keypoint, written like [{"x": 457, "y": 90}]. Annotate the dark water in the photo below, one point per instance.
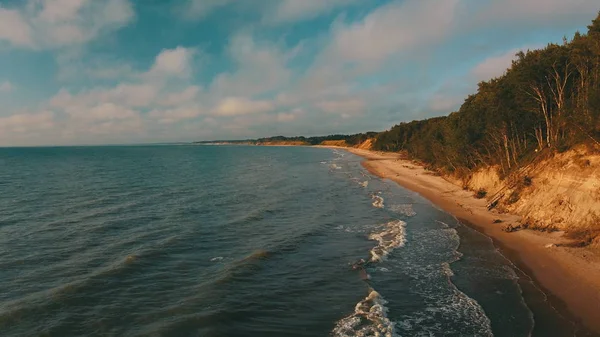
[{"x": 237, "y": 241}]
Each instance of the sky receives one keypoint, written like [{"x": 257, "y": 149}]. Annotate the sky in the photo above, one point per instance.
[{"x": 85, "y": 72}]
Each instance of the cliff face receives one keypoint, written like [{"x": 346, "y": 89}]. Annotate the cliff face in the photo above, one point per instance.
[
  {"x": 558, "y": 193},
  {"x": 366, "y": 145}
]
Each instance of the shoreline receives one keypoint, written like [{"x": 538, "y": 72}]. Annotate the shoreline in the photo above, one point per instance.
[{"x": 568, "y": 278}]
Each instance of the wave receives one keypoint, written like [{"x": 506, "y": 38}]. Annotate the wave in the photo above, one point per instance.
[
  {"x": 369, "y": 319},
  {"x": 255, "y": 215},
  {"x": 240, "y": 269},
  {"x": 377, "y": 201},
  {"x": 364, "y": 184},
  {"x": 260, "y": 254},
  {"x": 391, "y": 237},
  {"x": 370, "y": 315}
]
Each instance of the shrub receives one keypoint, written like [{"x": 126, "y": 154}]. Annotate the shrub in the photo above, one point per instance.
[{"x": 481, "y": 193}]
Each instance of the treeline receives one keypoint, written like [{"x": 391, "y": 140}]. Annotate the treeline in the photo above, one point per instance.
[
  {"x": 351, "y": 140},
  {"x": 548, "y": 99}
]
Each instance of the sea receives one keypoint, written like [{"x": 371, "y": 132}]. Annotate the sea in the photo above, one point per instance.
[{"x": 188, "y": 240}]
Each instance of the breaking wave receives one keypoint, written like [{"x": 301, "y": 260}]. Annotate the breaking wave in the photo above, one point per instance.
[
  {"x": 392, "y": 236},
  {"x": 370, "y": 315},
  {"x": 377, "y": 201},
  {"x": 369, "y": 319}
]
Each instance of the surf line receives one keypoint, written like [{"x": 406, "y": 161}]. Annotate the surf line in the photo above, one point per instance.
[{"x": 370, "y": 314}]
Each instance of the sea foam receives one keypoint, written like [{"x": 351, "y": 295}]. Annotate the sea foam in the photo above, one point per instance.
[
  {"x": 369, "y": 319},
  {"x": 392, "y": 236},
  {"x": 377, "y": 201}
]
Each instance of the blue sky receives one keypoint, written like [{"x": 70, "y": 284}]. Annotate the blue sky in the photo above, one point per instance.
[{"x": 136, "y": 71}]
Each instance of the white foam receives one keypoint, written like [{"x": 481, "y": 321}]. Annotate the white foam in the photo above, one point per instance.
[
  {"x": 377, "y": 201},
  {"x": 447, "y": 270},
  {"x": 369, "y": 319},
  {"x": 392, "y": 236},
  {"x": 404, "y": 209},
  {"x": 457, "y": 307},
  {"x": 215, "y": 259}
]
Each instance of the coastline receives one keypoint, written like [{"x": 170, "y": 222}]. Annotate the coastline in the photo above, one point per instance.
[{"x": 569, "y": 276}]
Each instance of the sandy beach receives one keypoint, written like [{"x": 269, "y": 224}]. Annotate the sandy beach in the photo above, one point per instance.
[{"x": 569, "y": 276}]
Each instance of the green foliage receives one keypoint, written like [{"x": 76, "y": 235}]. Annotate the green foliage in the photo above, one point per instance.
[{"x": 548, "y": 99}]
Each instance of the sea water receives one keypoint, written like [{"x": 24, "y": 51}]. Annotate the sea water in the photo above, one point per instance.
[{"x": 237, "y": 241}]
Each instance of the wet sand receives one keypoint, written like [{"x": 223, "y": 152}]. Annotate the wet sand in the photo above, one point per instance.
[{"x": 570, "y": 277}]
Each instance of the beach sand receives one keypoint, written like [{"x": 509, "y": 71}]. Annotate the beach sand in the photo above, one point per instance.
[{"x": 570, "y": 276}]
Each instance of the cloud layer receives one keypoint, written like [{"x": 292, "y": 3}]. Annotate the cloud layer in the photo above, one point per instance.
[
  {"x": 43, "y": 24},
  {"x": 280, "y": 67}
]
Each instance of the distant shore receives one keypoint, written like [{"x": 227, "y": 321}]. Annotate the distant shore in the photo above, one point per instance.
[{"x": 570, "y": 276}]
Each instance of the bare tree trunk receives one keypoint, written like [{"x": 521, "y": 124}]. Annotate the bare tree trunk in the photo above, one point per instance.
[
  {"x": 539, "y": 136},
  {"x": 506, "y": 148},
  {"x": 557, "y": 83},
  {"x": 540, "y": 96}
]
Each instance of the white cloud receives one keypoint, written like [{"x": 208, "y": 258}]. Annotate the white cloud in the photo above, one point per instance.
[
  {"x": 496, "y": 66},
  {"x": 57, "y": 11},
  {"x": 130, "y": 95},
  {"x": 390, "y": 34},
  {"x": 51, "y": 24},
  {"x": 349, "y": 78},
  {"x": 172, "y": 63},
  {"x": 260, "y": 68},
  {"x": 445, "y": 103},
  {"x": 129, "y": 108},
  {"x": 347, "y": 106},
  {"x": 186, "y": 96},
  {"x": 176, "y": 114},
  {"x": 27, "y": 122},
  {"x": 286, "y": 117},
  {"x": 391, "y": 29},
  {"x": 285, "y": 11},
  {"x": 14, "y": 28},
  {"x": 199, "y": 9},
  {"x": 235, "y": 106},
  {"x": 6, "y": 86},
  {"x": 551, "y": 12},
  {"x": 109, "y": 111}
]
